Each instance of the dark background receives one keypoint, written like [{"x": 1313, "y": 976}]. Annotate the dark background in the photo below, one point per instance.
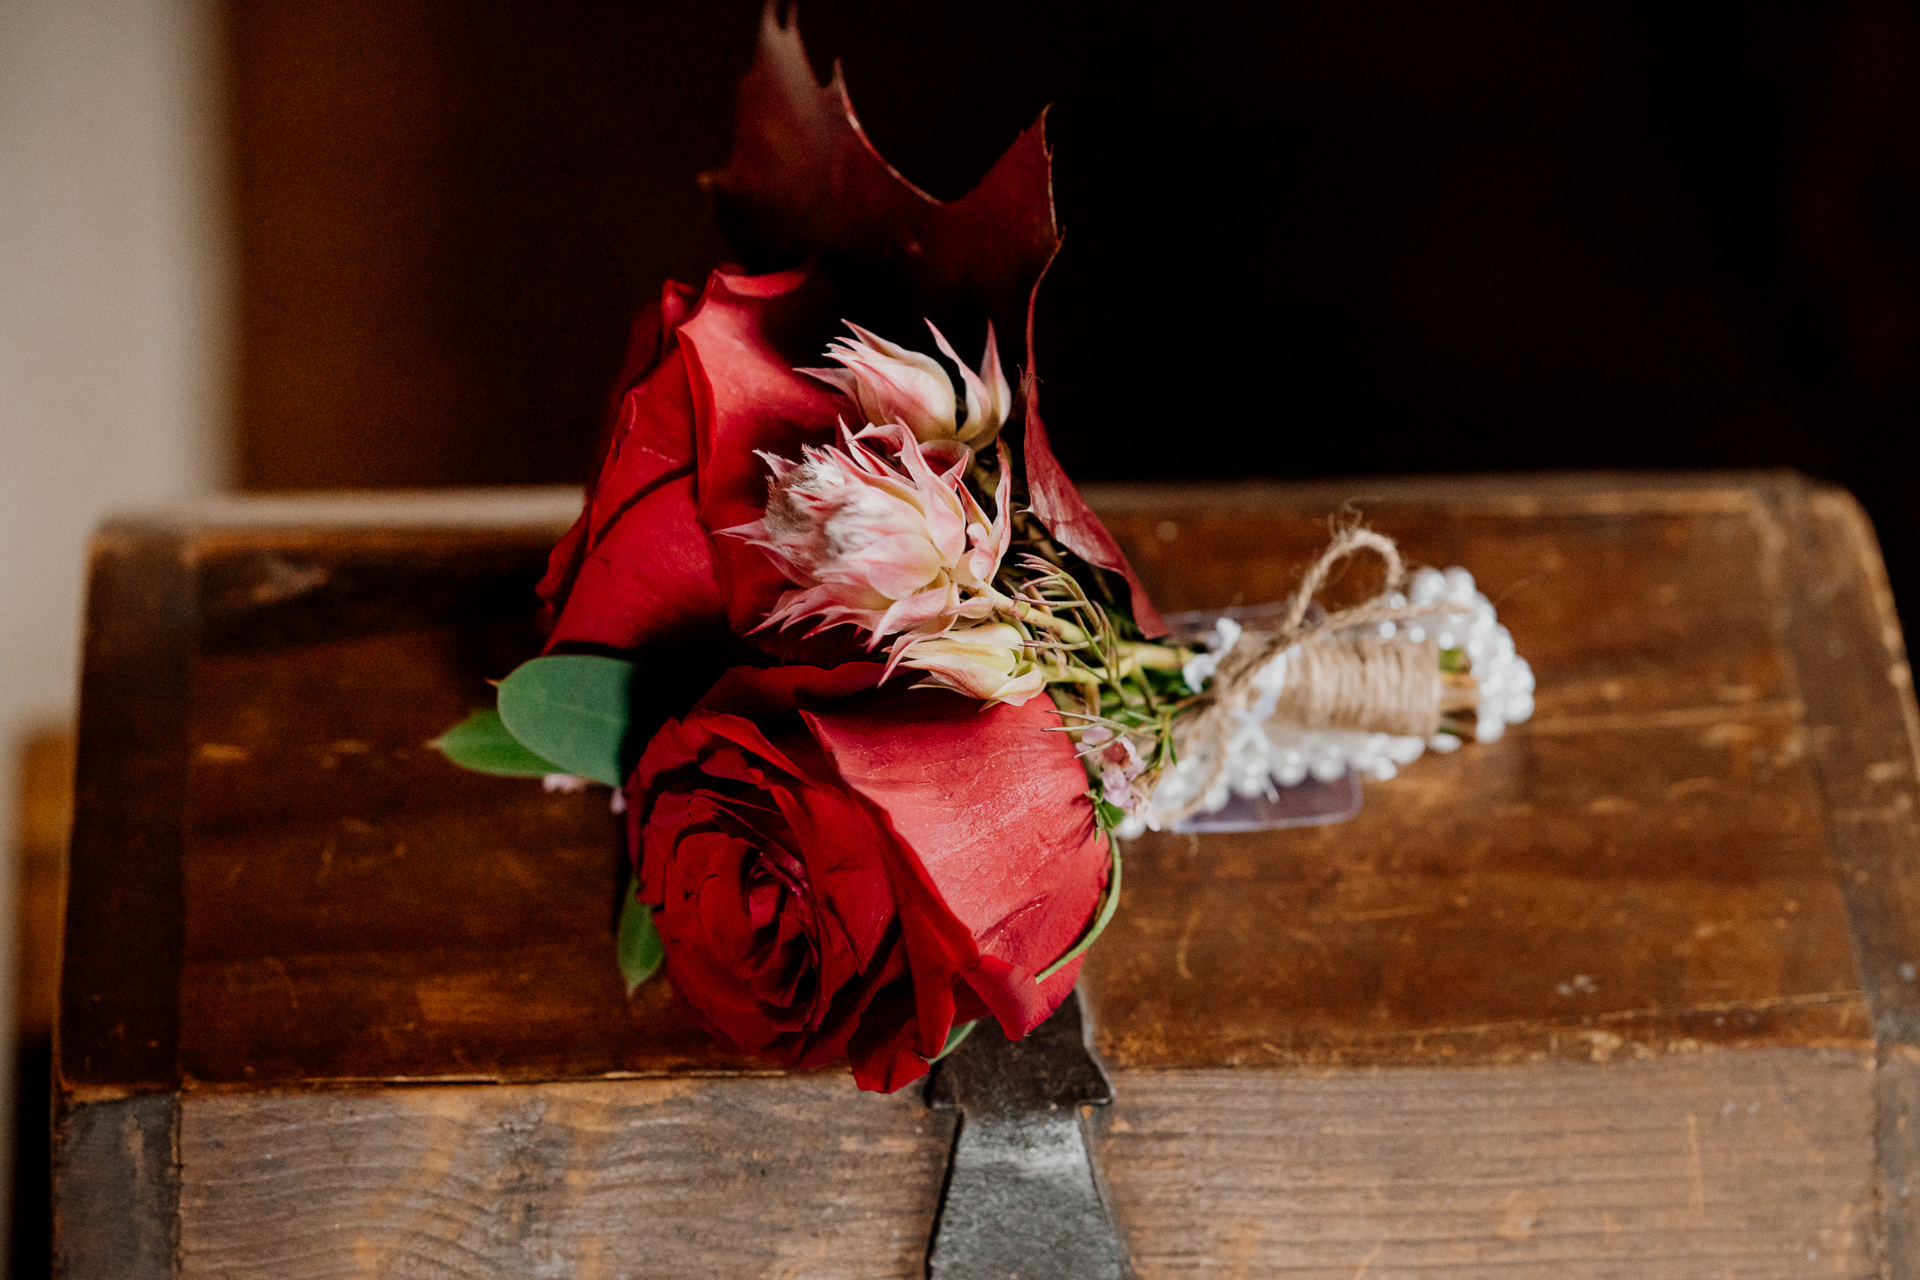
[{"x": 1301, "y": 240}]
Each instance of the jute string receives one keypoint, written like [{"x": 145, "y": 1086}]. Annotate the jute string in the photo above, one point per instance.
[
  {"x": 1365, "y": 683},
  {"x": 1340, "y": 677}
]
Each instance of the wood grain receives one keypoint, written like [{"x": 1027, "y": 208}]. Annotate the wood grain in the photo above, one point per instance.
[
  {"x": 1748, "y": 1164},
  {"x": 1642, "y": 868},
  {"x": 116, "y": 1188},
  {"x": 1648, "y": 863},
  {"x": 1753, "y": 1163},
  {"x": 119, "y": 1021},
  {"x": 696, "y": 1178},
  {"x": 1864, "y": 736}
]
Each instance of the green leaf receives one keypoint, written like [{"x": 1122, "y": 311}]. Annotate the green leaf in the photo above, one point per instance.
[
  {"x": 481, "y": 743},
  {"x": 961, "y": 1030},
  {"x": 638, "y": 949},
  {"x": 1107, "y": 815},
  {"x": 574, "y": 710},
  {"x": 1107, "y": 906}
]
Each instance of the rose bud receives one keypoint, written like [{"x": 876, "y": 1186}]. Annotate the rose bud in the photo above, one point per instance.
[
  {"x": 891, "y": 383},
  {"x": 990, "y": 661},
  {"x": 853, "y": 880},
  {"x": 890, "y": 548}
]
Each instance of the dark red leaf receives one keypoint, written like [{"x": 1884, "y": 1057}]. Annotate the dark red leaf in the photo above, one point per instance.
[{"x": 803, "y": 179}]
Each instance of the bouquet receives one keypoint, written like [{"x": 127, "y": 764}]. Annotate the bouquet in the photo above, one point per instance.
[{"x": 877, "y": 692}]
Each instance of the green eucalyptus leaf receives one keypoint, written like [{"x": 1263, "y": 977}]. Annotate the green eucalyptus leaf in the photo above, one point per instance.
[
  {"x": 481, "y": 743},
  {"x": 573, "y": 709},
  {"x": 1107, "y": 906},
  {"x": 961, "y": 1030},
  {"x": 638, "y": 948}
]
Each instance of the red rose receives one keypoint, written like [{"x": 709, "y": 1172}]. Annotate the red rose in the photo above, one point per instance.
[
  {"x": 639, "y": 568},
  {"x": 843, "y": 870},
  {"x": 804, "y": 179},
  {"x": 707, "y": 383}
]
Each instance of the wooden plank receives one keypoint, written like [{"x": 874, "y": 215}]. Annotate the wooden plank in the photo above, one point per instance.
[
  {"x": 359, "y": 908},
  {"x": 1897, "y": 1138},
  {"x": 1864, "y": 744},
  {"x": 1653, "y": 842},
  {"x": 118, "y": 1025},
  {"x": 790, "y": 1177},
  {"x": 1753, "y": 1164},
  {"x": 1642, "y": 868},
  {"x": 116, "y": 1190},
  {"x": 1647, "y": 862},
  {"x": 1757, "y": 1163}
]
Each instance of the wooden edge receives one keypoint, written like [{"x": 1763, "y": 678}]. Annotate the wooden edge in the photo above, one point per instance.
[
  {"x": 1897, "y": 1118},
  {"x": 492, "y": 508},
  {"x": 116, "y": 1190},
  {"x": 1518, "y": 493},
  {"x": 118, "y": 1023},
  {"x": 1851, "y": 667},
  {"x": 1863, "y": 737},
  {"x": 555, "y": 506},
  {"x": 504, "y": 507}
]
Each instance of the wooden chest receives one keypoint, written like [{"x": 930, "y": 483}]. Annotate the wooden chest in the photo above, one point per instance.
[{"x": 1631, "y": 993}]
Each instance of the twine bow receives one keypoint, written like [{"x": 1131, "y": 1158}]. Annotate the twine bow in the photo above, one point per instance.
[{"x": 1334, "y": 674}]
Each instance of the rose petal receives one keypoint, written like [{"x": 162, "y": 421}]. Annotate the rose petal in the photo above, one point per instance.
[
  {"x": 740, "y": 349},
  {"x": 650, "y": 441},
  {"x": 651, "y": 579},
  {"x": 991, "y": 803}
]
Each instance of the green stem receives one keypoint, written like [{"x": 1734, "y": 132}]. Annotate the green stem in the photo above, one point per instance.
[
  {"x": 1107, "y": 908},
  {"x": 1037, "y": 617},
  {"x": 1155, "y": 657}
]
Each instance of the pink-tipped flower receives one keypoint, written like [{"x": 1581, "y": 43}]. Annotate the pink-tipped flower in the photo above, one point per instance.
[
  {"x": 891, "y": 383},
  {"x": 1114, "y": 762},
  {"x": 898, "y": 547},
  {"x": 988, "y": 660}
]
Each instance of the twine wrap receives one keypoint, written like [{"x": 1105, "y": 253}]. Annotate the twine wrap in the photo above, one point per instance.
[
  {"x": 1338, "y": 673},
  {"x": 1362, "y": 682}
]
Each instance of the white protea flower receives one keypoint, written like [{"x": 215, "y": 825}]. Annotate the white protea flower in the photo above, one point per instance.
[
  {"x": 989, "y": 661},
  {"x": 898, "y": 547},
  {"x": 891, "y": 383}
]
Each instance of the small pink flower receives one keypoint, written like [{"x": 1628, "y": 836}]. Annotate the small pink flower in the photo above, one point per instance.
[
  {"x": 898, "y": 547},
  {"x": 891, "y": 383},
  {"x": 989, "y": 661},
  {"x": 1115, "y": 763}
]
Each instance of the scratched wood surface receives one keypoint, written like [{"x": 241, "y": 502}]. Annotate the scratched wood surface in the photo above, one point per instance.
[
  {"x": 1747, "y": 1164},
  {"x": 1696, "y": 864},
  {"x": 671, "y": 1178},
  {"x": 1646, "y": 862}
]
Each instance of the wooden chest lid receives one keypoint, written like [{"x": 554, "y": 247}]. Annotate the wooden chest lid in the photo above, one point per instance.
[{"x": 1702, "y": 838}]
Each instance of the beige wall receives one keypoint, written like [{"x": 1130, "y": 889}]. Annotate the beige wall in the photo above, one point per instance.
[{"x": 113, "y": 323}]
